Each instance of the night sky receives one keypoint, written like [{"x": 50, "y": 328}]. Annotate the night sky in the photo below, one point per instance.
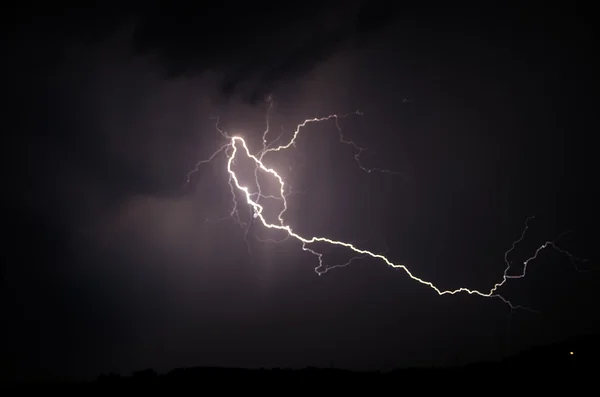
[{"x": 109, "y": 262}]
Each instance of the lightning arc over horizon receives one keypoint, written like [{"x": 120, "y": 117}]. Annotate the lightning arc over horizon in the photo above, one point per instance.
[{"x": 238, "y": 144}]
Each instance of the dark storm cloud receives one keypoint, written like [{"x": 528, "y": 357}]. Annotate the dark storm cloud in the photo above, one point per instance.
[
  {"x": 256, "y": 45},
  {"x": 71, "y": 66}
]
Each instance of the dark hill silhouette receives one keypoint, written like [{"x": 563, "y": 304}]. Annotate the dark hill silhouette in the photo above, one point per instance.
[{"x": 542, "y": 366}]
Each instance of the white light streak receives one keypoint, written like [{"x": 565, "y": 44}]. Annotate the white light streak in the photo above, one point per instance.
[{"x": 237, "y": 146}]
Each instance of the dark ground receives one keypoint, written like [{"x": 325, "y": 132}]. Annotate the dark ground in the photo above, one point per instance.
[{"x": 569, "y": 363}]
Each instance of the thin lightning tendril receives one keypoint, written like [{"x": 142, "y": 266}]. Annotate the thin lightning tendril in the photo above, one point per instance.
[{"x": 253, "y": 199}]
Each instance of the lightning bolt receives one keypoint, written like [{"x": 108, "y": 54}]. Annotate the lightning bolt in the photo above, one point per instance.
[{"x": 237, "y": 146}]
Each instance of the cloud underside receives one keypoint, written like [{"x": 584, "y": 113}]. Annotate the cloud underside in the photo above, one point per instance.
[{"x": 254, "y": 47}]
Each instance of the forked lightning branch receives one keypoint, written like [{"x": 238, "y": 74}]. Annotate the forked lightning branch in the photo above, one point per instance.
[{"x": 236, "y": 147}]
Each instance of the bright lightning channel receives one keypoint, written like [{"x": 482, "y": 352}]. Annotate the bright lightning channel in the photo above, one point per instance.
[{"x": 237, "y": 144}]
